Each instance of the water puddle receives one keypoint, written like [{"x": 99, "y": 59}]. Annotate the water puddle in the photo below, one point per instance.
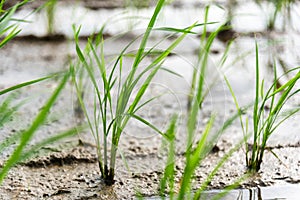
[{"x": 282, "y": 192}]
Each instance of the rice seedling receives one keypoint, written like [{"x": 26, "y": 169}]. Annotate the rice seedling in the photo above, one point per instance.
[
  {"x": 194, "y": 155},
  {"x": 268, "y": 113},
  {"x": 197, "y": 150},
  {"x": 22, "y": 151},
  {"x": 8, "y": 30},
  {"x": 203, "y": 55},
  {"x": 282, "y": 7},
  {"x": 114, "y": 112},
  {"x": 50, "y": 10}
]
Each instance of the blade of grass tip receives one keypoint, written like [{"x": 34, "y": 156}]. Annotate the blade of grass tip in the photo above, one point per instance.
[
  {"x": 146, "y": 102},
  {"x": 290, "y": 82},
  {"x": 27, "y": 135},
  {"x": 124, "y": 99},
  {"x": 144, "y": 121},
  {"x": 18, "y": 86},
  {"x": 6, "y": 18},
  {"x": 285, "y": 95},
  {"x": 176, "y": 30},
  {"x": 240, "y": 113},
  {"x": 183, "y": 30},
  {"x": 205, "y": 24},
  {"x": 10, "y": 36},
  {"x": 276, "y": 156},
  {"x": 214, "y": 137},
  {"x": 143, "y": 43},
  {"x": 157, "y": 62},
  {"x": 288, "y": 114}
]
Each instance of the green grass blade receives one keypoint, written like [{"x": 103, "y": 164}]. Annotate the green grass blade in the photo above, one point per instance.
[
  {"x": 51, "y": 140},
  {"x": 144, "y": 121},
  {"x": 9, "y": 141},
  {"x": 27, "y": 135},
  {"x": 169, "y": 172},
  {"x": 21, "y": 85},
  {"x": 216, "y": 169},
  {"x": 193, "y": 157},
  {"x": 143, "y": 43}
]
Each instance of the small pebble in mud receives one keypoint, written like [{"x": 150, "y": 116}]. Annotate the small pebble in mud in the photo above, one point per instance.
[
  {"x": 215, "y": 149},
  {"x": 215, "y": 51},
  {"x": 131, "y": 142}
]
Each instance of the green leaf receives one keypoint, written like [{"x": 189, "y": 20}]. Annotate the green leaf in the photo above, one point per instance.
[{"x": 28, "y": 134}]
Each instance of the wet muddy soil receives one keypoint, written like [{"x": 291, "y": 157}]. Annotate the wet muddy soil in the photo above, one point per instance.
[
  {"x": 74, "y": 174},
  {"x": 69, "y": 169}
]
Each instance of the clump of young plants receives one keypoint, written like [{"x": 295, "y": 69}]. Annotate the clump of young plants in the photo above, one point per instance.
[
  {"x": 194, "y": 155},
  {"x": 196, "y": 150},
  {"x": 118, "y": 93},
  {"x": 268, "y": 113},
  {"x": 282, "y": 7}
]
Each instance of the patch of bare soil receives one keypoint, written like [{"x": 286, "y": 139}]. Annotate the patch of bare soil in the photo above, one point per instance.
[{"x": 74, "y": 174}]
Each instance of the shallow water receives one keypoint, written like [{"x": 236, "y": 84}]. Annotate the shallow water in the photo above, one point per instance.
[{"x": 281, "y": 192}]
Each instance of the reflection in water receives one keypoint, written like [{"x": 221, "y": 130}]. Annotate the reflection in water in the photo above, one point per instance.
[
  {"x": 284, "y": 192},
  {"x": 280, "y": 192},
  {"x": 252, "y": 194}
]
